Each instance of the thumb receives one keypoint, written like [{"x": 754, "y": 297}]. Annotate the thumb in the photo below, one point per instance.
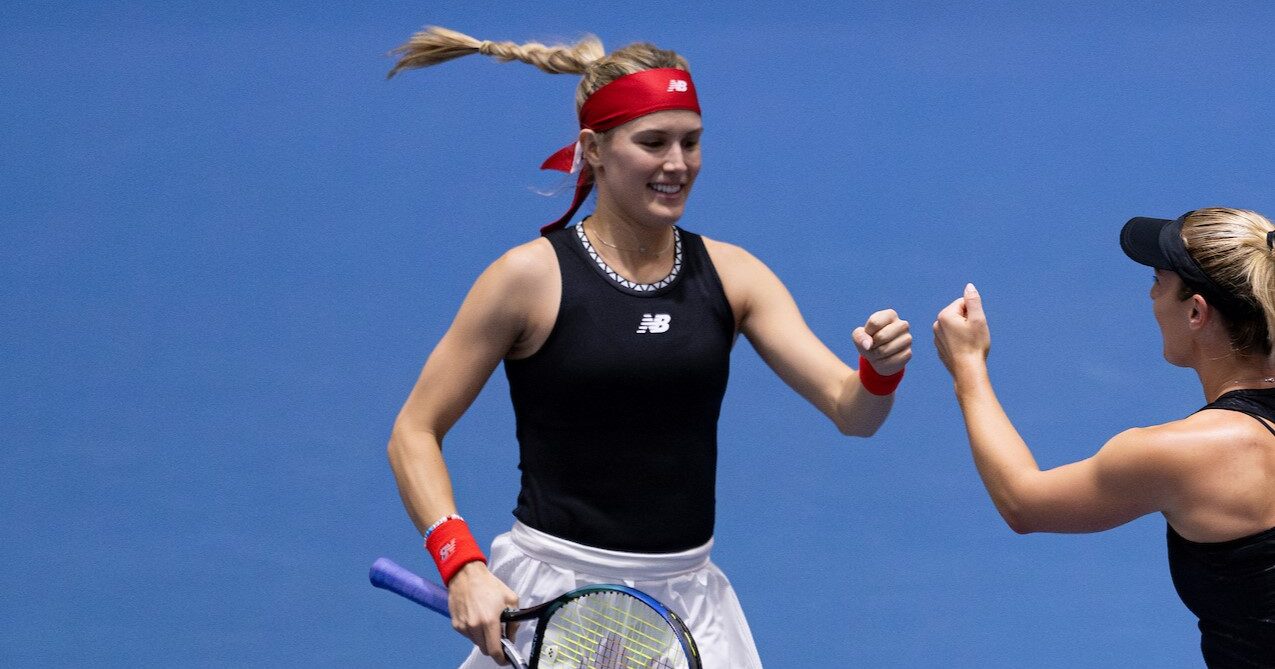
[
  {"x": 973, "y": 301},
  {"x": 862, "y": 339}
]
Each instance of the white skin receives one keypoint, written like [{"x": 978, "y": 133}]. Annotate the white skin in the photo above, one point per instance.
[
  {"x": 1212, "y": 474},
  {"x": 511, "y": 309}
]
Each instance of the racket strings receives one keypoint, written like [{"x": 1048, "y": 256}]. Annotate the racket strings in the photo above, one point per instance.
[{"x": 611, "y": 631}]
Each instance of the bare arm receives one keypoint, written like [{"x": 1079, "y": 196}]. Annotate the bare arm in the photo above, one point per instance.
[
  {"x": 770, "y": 319},
  {"x": 1128, "y": 478},
  {"x": 490, "y": 324}
]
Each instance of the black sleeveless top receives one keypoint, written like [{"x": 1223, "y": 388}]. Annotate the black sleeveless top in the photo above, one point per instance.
[
  {"x": 617, "y": 411},
  {"x": 1230, "y": 585}
]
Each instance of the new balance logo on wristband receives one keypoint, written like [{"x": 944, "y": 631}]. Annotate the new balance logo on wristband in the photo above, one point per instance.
[
  {"x": 446, "y": 551},
  {"x": 654, "y": 324},
  {"x": 676, "y": 86}
]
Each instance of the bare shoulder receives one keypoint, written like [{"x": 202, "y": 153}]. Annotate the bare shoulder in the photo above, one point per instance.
[
  {"x": 725, "y": 253},
  {"x": 1208, "y": 428},
  {"x": 514, "y": 284},
  {"x": 1184, "y": 446},
  {"x": 737, "y": 268},
  {"x": 522, "y": 289},
  {"x": 522, "y": 271},
  {"x": 1217, "y": 430},
  {"x": 527, "y": 262},
  {"x": 1225, "y": 467}
]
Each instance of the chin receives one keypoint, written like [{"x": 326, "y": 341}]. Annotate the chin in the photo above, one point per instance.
[
  {"x": 664, "y": 217},
  {"x": 670, "y": 212}
]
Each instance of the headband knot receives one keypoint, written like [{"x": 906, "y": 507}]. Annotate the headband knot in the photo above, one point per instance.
[
  {"x": 1270, "y": 240},
  {"x": 629, "y": 97}
]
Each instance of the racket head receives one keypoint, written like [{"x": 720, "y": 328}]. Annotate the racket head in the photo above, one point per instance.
[{"x": 609, "y": 626}]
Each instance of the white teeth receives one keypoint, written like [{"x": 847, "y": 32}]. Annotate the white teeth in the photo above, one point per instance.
[{"x": 667, "y": 188}]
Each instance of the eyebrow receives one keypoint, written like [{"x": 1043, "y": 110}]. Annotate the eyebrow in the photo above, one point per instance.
[{"x": 666, "y": 131}]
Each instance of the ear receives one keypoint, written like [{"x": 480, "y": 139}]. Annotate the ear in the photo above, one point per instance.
[
  {"x": 591, "y": 148},
  {"x": 1201, "y": 312}
]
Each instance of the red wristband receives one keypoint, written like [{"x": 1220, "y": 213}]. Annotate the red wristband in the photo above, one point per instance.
[
  {"x": 453, "y": 547},
  {"x": 874, "y": 382}
]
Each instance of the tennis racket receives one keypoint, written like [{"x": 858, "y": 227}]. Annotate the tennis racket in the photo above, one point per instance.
[{"x": 594, "y": 627}]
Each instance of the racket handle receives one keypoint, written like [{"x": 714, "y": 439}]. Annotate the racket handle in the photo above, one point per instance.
[{"x": 388, "y": 575}]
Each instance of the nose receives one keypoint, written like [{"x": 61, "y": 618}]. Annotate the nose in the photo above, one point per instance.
[{"x": 675, "y": 159}]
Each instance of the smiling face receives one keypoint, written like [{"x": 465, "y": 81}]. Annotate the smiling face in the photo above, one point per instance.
[{"x": 645, "y": 168}]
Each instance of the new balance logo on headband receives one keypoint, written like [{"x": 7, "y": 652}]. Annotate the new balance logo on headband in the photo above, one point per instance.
[
  {"x": 676, "y": 86},
  {"x": 654, "y": 324}
]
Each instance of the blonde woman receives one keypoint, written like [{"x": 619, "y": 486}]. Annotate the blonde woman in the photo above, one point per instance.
[
  {"x": 615, "y": 335},
  {"x": 1211, "y": 474}
]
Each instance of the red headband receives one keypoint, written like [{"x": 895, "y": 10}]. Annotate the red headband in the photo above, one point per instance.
[{"x": 613, "y": 105}]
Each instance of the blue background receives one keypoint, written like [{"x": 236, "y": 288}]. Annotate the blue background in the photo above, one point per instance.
[{"x": 227, "y": 245}]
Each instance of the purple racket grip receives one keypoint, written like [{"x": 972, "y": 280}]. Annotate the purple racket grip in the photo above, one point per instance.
[{"x": 388, "y": 575}]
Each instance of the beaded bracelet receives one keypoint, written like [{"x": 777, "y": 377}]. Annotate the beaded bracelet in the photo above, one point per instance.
[{"x": 430, "y": 530}]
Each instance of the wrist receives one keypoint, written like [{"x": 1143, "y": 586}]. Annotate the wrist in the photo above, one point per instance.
[
  {"x": 876, "y": 383},
  {"x": 452, "y": 546},
  {"x": 970, "y": 375},
  {"x": 467, "y": 572}
]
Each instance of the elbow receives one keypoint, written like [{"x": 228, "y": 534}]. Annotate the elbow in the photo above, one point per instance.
[
  {"x": 394, "y": 449},
  {"x": 1017, "y": 520},
  {"x": 396, "y": 438},
  {"x": 399, "y": 447},
  {"x": 409, "y": 443},
  {"x": 860, "y": 424},
  {"x": 854, "y": 424},
  {"x": 1017, "y": 525},
  {"x": 855, "y": 430}
]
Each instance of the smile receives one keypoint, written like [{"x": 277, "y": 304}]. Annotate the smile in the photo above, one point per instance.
[{"x": 667, "y": 189}]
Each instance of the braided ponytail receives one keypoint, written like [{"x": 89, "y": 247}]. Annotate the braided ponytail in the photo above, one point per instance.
[{"x": 435, "y": 45}]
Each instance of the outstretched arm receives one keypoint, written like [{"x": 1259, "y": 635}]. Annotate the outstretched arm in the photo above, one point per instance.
[
  {"x": 1126, "y": 479},
  {"x": 768, "y": 316}
]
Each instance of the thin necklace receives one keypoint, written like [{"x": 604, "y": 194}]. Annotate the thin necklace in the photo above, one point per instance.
[
  {"x": 1264, "y": 379},
  {"x": 640, "y": 249}
]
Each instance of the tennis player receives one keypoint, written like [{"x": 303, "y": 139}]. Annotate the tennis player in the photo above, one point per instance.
[
  {"x": 616, "y": 336},
  {"x": 1211, "y": 474}
]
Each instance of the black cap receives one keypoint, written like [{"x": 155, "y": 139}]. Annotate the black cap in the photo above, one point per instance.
[
  {"x": 1157, "y": 242},
  {"x": 1141, "y": 240}
]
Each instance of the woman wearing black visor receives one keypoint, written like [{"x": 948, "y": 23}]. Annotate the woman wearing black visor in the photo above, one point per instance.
[{"x": 1211, "y": 474}]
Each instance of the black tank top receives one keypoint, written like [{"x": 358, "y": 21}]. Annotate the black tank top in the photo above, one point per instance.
[
  {"x": 617, "y": 411},
  {"x": 1230, "y": 585}
]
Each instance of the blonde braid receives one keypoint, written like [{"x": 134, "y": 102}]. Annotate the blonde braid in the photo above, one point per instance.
[{"x": 435, "y": 45}]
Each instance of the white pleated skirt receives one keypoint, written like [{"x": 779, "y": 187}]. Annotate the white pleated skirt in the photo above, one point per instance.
[{"x": 540, "y": 566}]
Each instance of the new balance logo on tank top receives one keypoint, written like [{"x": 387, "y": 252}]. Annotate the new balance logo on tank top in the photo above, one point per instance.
[
  {"x": 654, "y": 324},
  {"x": 617, "y": 412}
]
